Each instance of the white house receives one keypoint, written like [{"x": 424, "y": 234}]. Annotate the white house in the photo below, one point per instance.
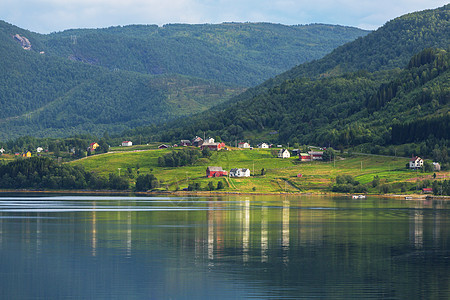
[
  {"x": 39, "y": 149},
  {"x": 2, "y": 150},
  {"x": 415, "y": 163},
  {"x": 284, "y": 153},
  {"x": 239, "y": 172},
  {"x": 127, "y": 143},
  {"x": 263, "y": 146},
  {"x": 243, "y": 145}
]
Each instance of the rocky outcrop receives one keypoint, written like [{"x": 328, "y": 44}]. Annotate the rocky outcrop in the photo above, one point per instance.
[{"x": 24, "y": 42}]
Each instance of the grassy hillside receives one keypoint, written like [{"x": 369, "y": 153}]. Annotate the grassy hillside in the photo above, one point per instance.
[
  {"x": 92, "y": 81},
  {"x": 280, "y": 176}
]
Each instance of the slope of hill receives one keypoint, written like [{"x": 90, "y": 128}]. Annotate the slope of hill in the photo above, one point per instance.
[
  {"x": 92, "y": 81},
  {"x": 232, "y": 53},
  {"x": 352, "y": 109},
  {"x": 391, "y": 46}
]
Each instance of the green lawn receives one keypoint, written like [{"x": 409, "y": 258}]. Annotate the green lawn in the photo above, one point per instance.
[{"x": 281, "y": 174}]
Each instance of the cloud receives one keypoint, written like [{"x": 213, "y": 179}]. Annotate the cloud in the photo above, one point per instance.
[{"x": 56, "y": 15}]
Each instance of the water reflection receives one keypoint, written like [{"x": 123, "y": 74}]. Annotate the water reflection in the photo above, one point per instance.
[{"x": 230, "y": 247}]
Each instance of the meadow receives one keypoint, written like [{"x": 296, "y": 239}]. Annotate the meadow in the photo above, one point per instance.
[{"x": 281, "y": 175}]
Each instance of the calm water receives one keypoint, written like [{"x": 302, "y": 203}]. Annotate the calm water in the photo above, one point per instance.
[{"x": 260, "y": 247}]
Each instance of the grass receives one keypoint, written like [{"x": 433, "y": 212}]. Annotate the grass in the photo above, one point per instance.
[{"x": 281, "y": 174}]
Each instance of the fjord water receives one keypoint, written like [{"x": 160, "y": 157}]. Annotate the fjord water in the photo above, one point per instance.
[{"x": 234, "y": 247}]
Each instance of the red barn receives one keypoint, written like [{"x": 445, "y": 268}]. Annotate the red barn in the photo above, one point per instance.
[{"x": 215, "y": 172}]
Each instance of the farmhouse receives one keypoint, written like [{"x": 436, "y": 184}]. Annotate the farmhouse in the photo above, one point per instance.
[
  {"x": 263, "y": 146},
  {"x": 239, "y": 172},
  {"x": 310, "y": 156},
  {"x": 212, "y": 145},
  {"x": 415, "y": 163},
  {"x": 163, "y": 146},
  {"x": 244, "y": 145},
  {"x": 304, "y": 157},
  {"x": 284, "y": 153},
  {"x": 215, "y": 172},
  {"x": 197, "y": 141},
  {"x": 316, "y": 155},
  {"x": 39, "y": 149},
  {"x": 185, "y": 143},
  {"x": 127, "y": 143}
]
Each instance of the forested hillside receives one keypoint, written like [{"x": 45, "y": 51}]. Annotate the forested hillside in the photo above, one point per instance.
[
  {"x": 242, "y": 54},
  {"x": 388, "y": 106},
  {"x": 109, "y": 80}
]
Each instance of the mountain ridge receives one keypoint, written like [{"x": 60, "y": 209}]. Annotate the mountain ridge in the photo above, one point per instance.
[{"x": 63, "y": 84}]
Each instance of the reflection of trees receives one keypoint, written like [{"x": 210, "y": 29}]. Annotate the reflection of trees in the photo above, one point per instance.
[{"x": 293, "y": 239}]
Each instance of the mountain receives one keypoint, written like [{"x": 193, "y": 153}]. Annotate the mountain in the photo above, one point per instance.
[
  {"x": 242, "y": 54},
  {"x": 97, "y": 80},
  {"x": 331, "y": 102}
]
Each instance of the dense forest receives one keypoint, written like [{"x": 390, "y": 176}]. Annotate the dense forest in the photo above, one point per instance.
[
  {"x": 92, "y": 81},
  {"x": 239, "y": 54},
  {"x": 45, "y": 173},
  {"x": 371, "y": 104}
]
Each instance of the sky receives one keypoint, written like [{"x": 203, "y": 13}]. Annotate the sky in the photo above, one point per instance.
[{"x": 45, "y": 16}]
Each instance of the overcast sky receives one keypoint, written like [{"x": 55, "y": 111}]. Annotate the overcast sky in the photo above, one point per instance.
[{"x": 47, "y": 16}]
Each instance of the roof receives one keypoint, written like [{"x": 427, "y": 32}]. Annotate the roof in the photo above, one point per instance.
[
  {"x": 414, "y": 158},
  {"x": 214, "y": 169},
  {"x": 242, "y": 169}
]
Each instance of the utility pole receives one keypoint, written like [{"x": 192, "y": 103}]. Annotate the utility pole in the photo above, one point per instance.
[{"x": 119, "y": 171}]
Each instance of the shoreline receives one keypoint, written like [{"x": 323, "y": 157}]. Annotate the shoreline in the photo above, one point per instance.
[{"x": 215, "y": 193}]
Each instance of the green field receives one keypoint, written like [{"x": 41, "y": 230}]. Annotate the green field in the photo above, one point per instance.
[{"x": 281, "y": 174}]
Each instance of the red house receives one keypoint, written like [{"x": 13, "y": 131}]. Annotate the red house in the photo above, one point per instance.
[
  {"x": 215, "y": 172},
  {"x": 211, "y": 145}
]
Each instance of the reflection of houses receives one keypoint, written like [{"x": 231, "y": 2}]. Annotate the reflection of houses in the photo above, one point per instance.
[
  {"x": 127, "y": 144},
  {"x": 215, "y": 172},
  {"x": 415, "y": 163},
  {"x": 239, "y": 172},
  {"x": 244, "y": 145},
  {"x": 212, "y": 145},
  {"x": 284, "y": 153}
]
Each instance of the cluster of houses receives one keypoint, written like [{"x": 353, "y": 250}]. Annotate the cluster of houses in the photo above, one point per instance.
[{"x": 417, "y": 163}]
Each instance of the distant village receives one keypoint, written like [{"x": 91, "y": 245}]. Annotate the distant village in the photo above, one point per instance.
[{"x": 210, "y": 144}]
